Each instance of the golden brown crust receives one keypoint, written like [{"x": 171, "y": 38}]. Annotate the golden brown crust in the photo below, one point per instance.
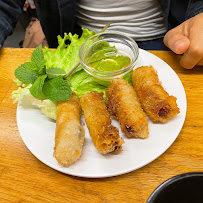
[
  {"x": 69, "y": 135},
  {"x": 105, "y": 136},
  {"x": 122, "y": 102},
  {"x": 156, "y": 102}
]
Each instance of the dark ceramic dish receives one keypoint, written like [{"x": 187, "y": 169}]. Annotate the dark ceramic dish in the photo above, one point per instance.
[{"x": 183, "y": 188}]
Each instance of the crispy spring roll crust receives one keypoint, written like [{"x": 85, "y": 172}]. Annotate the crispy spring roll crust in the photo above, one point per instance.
[
  {"x": 69, "y": 136},
  {"x": 123, "y": 103},
  {"x": 105, "y": 136},
  {"x": 156, "y": 102}
]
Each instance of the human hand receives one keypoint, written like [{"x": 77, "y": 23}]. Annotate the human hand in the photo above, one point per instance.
[{"x": 187, "y": 39}]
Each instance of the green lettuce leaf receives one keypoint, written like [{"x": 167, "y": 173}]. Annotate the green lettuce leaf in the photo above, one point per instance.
[
  {"x": 20, "y": 93},
  {"x": 82, "y": 82},
  {"x": 48, "y": 107},
  {"x": 67, "y": 56}
]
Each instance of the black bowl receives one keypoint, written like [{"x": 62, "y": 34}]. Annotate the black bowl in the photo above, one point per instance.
[{"x": 183, "y": 188}]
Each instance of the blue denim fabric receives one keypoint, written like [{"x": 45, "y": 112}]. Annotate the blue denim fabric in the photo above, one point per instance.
[{"x": 58, "y": 16}]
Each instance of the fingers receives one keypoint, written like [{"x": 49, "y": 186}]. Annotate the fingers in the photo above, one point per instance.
[
  {"x": 186, "y": 39},
  {"x": 176, "y": 41},
  {"x": 193, "y": 56}
]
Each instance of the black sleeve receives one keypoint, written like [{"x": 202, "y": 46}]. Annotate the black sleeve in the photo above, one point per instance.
[
  {"x": 48, "y": 14},
  {"x": 177, "y": 11},
  {"x": 10, "y": 11},
  {"x": 194, "y": 7}
]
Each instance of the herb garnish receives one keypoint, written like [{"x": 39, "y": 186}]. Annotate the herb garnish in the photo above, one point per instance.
[{"x": 45, "y": 82}]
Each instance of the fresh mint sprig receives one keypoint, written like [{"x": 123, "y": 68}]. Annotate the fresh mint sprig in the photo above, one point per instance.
[{"x": 45, "y": 82}]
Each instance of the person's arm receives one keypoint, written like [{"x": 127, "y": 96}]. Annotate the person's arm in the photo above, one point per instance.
[
  {"x": 187, "y": 38},
  {"x": 10, "y": 12}
]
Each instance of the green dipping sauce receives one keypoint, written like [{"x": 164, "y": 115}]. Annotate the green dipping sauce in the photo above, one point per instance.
[{"x": 106, "y": 59}]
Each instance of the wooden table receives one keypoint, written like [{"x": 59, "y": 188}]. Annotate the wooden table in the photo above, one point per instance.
[{"x": 23, "y": 178}]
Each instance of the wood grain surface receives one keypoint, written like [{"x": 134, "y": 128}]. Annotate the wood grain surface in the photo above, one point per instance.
[{"x": 23, "y": 178}]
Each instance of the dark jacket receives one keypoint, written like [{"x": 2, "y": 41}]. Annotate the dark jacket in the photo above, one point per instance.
[{"x": 58, "y": 16}]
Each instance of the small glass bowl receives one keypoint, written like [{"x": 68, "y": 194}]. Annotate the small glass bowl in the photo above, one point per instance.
[{"x": 123, "y": 44}]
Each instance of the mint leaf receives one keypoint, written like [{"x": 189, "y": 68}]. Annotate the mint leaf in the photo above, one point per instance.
[
  {"x": 36, "y": 89},
  {"x": 37, "y": 58},
  {"x": 54, "y": 72},
  {"x": 26, "y": 73},
  {"x": 31, "y": 66},
  {"x": 57, "y": 89}
]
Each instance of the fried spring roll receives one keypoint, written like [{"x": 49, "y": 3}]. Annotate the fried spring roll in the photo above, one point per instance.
[
  {"x": 69, "y": 135},
  {"x": 156, "y": 102},
  {"x": 123, "y": 103},
  {"x": 105, "y": 136}
]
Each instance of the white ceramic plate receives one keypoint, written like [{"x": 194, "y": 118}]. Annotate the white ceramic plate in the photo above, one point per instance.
[{"x": 38, "y": 132}]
